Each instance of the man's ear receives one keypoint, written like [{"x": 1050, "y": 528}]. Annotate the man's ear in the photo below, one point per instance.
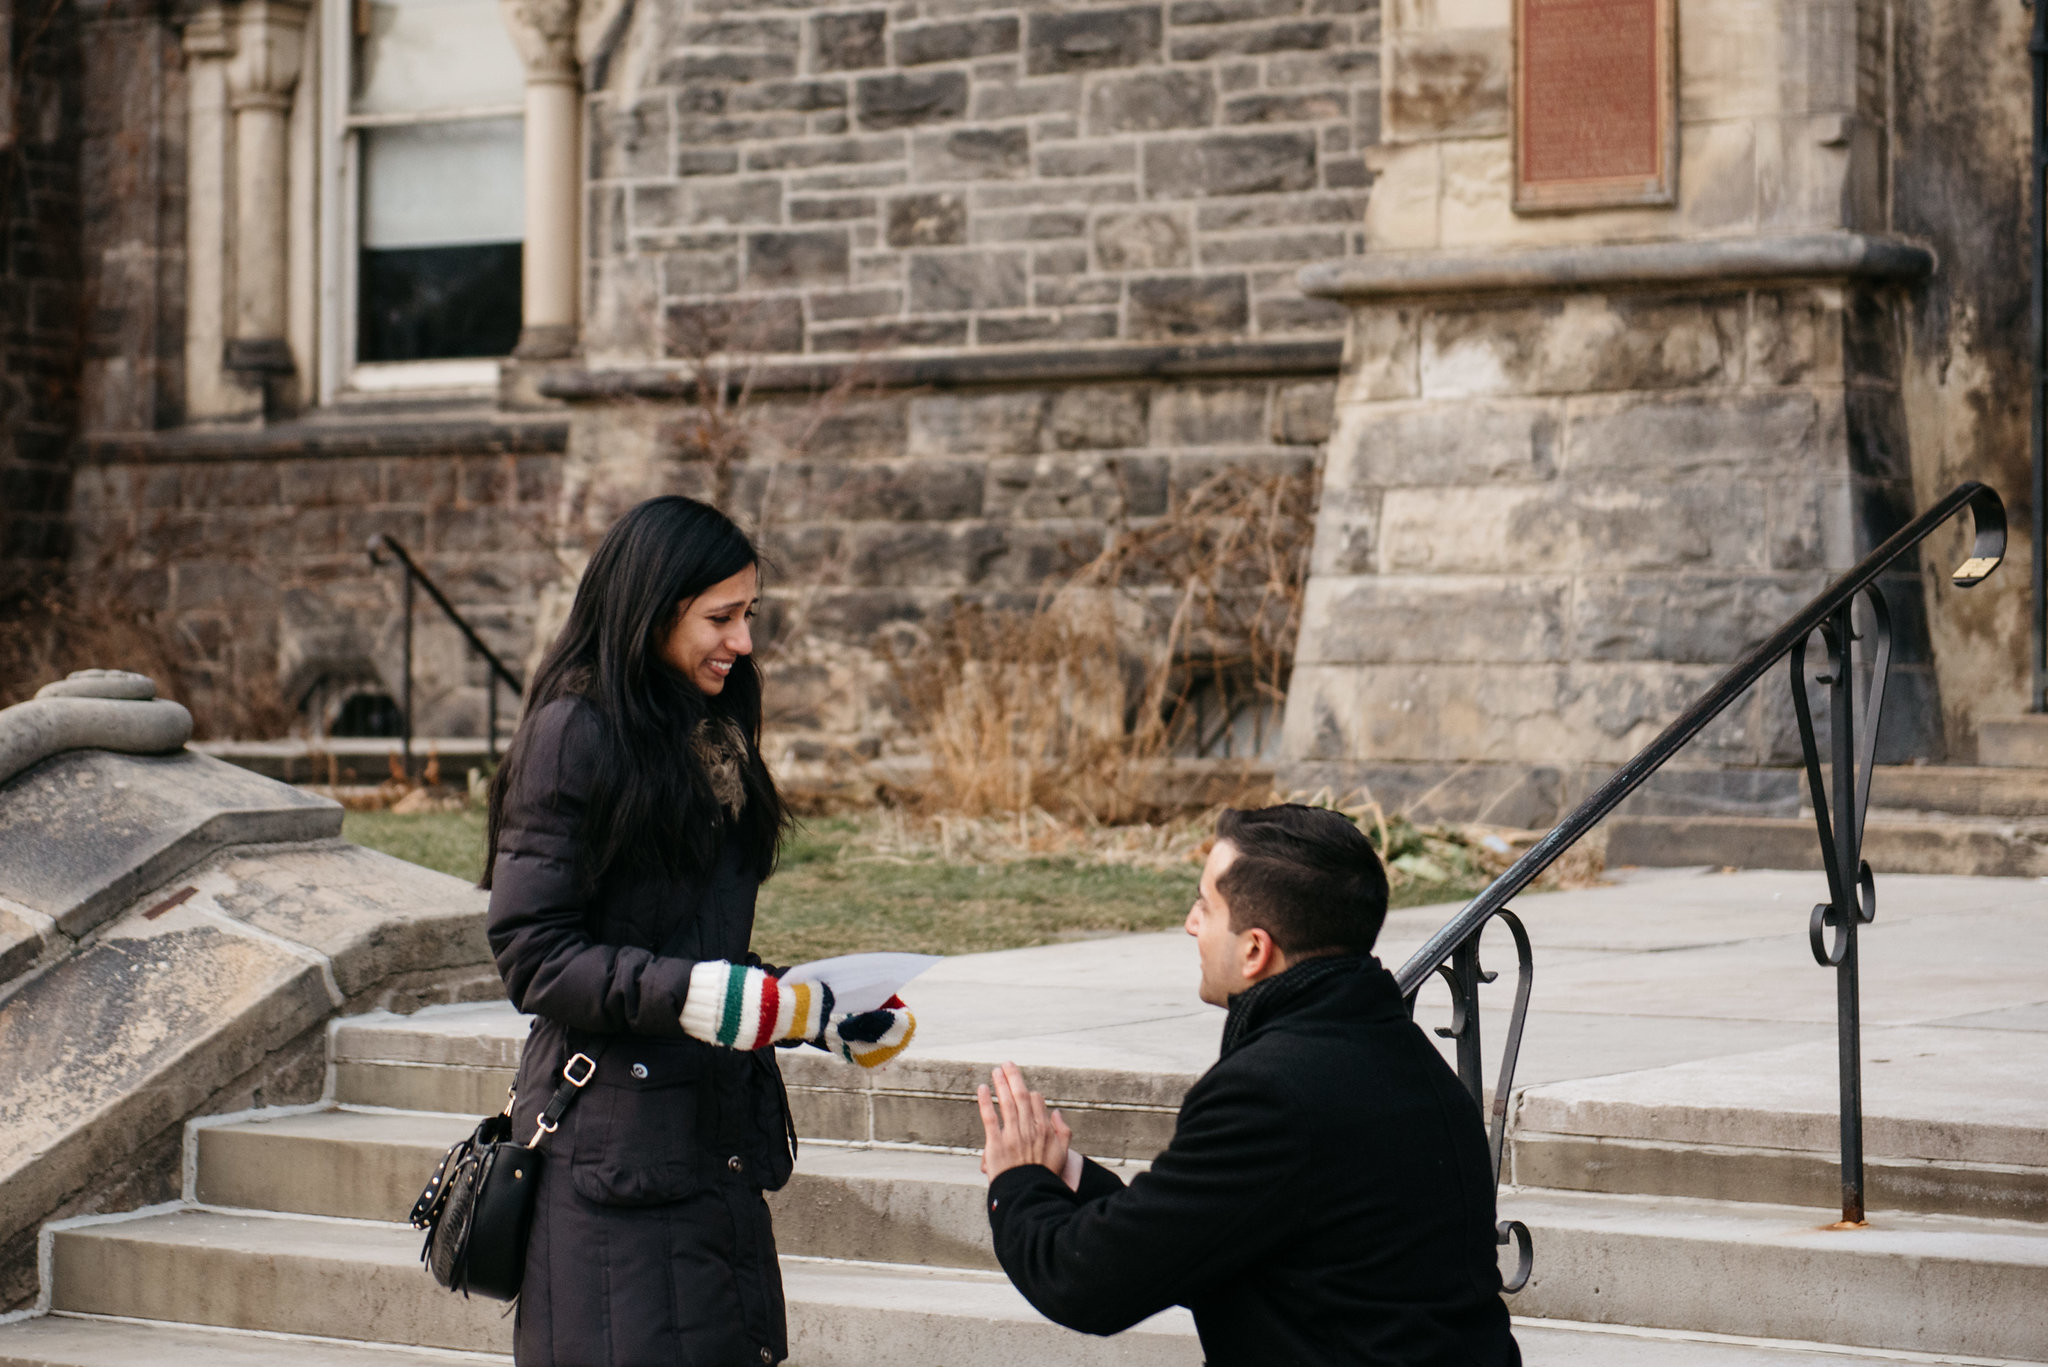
[{"x": 1262, "y": 958}]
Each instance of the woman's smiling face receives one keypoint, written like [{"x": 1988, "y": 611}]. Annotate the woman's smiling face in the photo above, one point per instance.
[{"x": 711, "y": 631}]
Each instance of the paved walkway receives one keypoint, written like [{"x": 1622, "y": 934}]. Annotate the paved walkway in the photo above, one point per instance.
[{"x": 1669, "y": 987}]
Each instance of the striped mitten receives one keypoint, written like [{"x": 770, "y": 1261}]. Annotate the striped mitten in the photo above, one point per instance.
[
  {"x": 737, "y": 1007},
  {"x": 872, "y": 1038}
]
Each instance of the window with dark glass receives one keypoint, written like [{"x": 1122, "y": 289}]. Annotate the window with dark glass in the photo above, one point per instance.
[{"x": 434, "y": 110}]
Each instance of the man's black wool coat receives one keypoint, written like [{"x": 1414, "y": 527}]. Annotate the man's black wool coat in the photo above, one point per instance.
[{"x": 1326, "y": 1198}]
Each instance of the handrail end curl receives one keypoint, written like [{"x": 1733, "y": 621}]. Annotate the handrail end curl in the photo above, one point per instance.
[{"x": 1987, "y": 547}]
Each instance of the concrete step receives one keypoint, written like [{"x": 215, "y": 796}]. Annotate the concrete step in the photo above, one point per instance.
[
  {"x": 1729, "y": 1172},
  {"x": 881, "y": 1205},
  {"x": 298, "y": 1275},
  {"x": 2013, "y": 741},
  {"x": 1893, "y": 843},
  {"x": 84, "y": 1341},
  {"x": 2013, "y": 793},
  {"x": 1952, "y": 1123},
  {"x": 1941, "y": 1288},
  {"x": 460, "y": 1059},
  {"x": 1918, "y": 1283},
  {"x": 81, "y": 1341},
  {"x": 361, "y": 1165}
]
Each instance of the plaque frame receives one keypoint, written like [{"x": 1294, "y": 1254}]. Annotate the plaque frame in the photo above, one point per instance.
[{"x": 1656, "y": 191}]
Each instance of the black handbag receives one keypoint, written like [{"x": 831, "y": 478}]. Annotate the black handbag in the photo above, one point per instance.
[{"x": 477, "y": 1208}]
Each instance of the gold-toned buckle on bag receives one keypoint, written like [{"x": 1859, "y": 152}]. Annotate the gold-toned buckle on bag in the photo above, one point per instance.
[{"x": 589, "y": 1070}]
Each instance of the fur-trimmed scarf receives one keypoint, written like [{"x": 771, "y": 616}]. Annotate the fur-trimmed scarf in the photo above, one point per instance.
[{"x": 721, "y": 747}]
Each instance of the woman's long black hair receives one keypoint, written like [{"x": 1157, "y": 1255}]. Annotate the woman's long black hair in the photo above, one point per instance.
[{"x": 651, "y": 805}]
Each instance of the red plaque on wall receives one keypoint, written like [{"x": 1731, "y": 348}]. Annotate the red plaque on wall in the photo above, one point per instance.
[{"x": 1595, "y": 104}]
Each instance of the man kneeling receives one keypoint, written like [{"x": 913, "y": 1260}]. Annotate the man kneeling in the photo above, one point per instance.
[{"x": 1327, "y": 1196}]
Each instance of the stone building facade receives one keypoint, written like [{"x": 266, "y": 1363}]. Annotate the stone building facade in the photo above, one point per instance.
[{"x": 1008, "y": 275}]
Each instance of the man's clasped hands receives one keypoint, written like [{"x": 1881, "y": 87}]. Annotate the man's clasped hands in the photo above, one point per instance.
[{"x": 1020, "y": 1129}]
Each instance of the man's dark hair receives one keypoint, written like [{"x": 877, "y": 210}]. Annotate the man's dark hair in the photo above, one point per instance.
[{"x": 1307, "y": 876}]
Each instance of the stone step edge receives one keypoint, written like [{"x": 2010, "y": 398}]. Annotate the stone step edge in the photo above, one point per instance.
[
  {"x": 367, "y": 1346},
  {"x": 1654, "y": 1334},
  {"x": 1679, "y": 1146}
]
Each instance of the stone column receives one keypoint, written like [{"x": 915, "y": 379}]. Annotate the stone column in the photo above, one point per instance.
[
  {"x": 544, "y": 31},
  {"x": 211, "y": 390},
  {"x": 269, "y": 43}
]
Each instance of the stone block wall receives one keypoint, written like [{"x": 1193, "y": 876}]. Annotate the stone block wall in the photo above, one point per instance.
[
  {"x": 244, "y": 554},
  {"x": 962, "y": 174},
  {"x": 40, "y": 335},
  {"x": 1549, "y": 522},
  {"x": 882, "y": 511}
]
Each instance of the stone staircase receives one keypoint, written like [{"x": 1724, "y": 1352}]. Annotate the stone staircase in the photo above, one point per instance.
[
  {"x": 1984, "y": 820},
  {"x": 288, "y": 1241}
]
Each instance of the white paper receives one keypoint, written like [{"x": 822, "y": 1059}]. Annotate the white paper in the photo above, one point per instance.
[{"x": 861, "y": 982}]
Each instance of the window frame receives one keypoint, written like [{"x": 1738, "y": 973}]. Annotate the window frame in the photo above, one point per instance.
[{"x": 340, "y": 376}]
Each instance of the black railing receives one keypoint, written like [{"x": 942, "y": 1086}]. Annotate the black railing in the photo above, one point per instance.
[
  {"x": 1453, "y": 952},
  {"x": 384, "y": 543}
]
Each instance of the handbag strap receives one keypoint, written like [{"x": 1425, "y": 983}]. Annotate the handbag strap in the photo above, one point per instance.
[{"x": 576, "y": 1075}]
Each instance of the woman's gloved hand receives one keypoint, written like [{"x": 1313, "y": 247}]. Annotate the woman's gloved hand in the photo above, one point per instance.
[
  {"x": 872, "y": 1038},
  {"x": 737, "y": 1007}
]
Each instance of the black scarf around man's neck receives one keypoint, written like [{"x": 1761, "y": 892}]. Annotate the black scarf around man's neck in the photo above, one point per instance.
[{"x": 1266, "y": 999}]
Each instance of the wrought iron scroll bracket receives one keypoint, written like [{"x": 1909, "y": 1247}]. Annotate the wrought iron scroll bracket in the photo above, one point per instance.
[
  {"x": 1464, "y": 975},
  {"x": 1841, "y": 806}
]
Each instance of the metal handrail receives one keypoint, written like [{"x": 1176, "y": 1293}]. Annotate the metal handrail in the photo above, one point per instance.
[
  {"x": 1453, "y": 951},
  {"x": 379, "y": 545}
]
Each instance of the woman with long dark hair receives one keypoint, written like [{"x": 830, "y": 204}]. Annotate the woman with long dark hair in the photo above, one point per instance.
[{"x": 630, "y": 826}]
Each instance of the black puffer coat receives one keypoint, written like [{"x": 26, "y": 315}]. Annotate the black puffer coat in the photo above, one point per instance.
[
  {"x": 651, "y": 1246},
  {"x": 1326, "y": 1200}
]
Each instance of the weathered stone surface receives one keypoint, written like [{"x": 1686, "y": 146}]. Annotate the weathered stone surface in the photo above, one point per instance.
[
  {"x": 972, "y": 154},
  {"x": 1187, "y": 306},
  {"x": 977, "y": 424},
  {"x": 1142, "y": 241},
  {"x": 897, "y": 101},
  {"x": 849, "y": 42},
  {"x": 938, "y": 219},
  {"x": 1092, "y": 40},
  {"x": 772, "y": 324},
  {"x": 1069, "y": 486},
  {"x": 1686, "y": 619},
  {"x": 1445, "y": 444},
  {"x": 105, "y": 1050},
  {"x": 1449, "y": 83},
  {"x": 1210, "y": 415},
  {"x": 1230, "y": 164},
  {"x": 818, "y": 255},
  {"x": 51, "y": 723},
  {"x": 1151, "y": 101},
  {"x": 84, "y": 832},
  {"x": 1388, "y": 620},
  {"x": 1098, "y": 417},
  {"x": 1583, "y": 345},
  {"x": 1302, "y": 412},
  {"x": 956, "y": 41},
  {"x": 897, "y": 491},
  {"x": 372, "y": 917},
  {"x": 952, "y": 281},
  {"x": 1782, "y": 433}
]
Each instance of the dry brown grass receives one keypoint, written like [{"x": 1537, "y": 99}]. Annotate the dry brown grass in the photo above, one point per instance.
[
  {"x": 1072, "y": 707},
  {"x": 93, "y": 620}
]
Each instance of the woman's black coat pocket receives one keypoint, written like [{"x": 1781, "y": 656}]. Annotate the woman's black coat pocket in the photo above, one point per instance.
[{"x": 636, "y": 1129}]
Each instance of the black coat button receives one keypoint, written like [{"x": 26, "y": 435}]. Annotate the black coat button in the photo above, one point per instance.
[
  {"x": 734, "y": 1164},
  {"x": 767, "y": 1354},
  {"x": 640, "y": 1071}
]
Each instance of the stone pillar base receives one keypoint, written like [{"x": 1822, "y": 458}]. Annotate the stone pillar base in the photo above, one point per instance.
[
  {"x": 1568, "y": 488},
  {"x": 546, "y": 342},
  {"x": 258, "y": 356}
]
